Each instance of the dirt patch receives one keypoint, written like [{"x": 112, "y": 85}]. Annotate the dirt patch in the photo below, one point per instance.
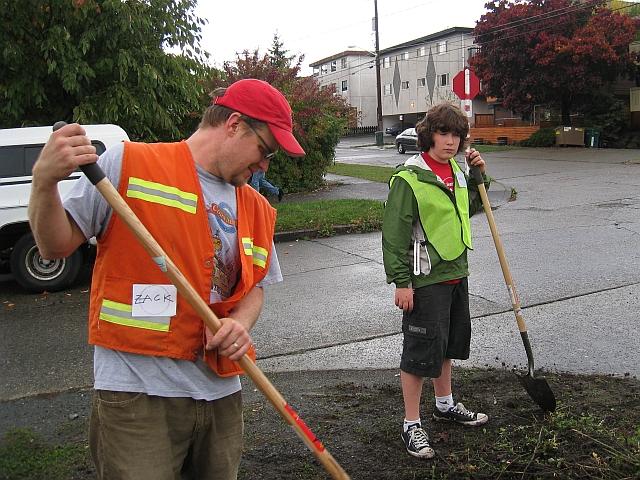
[{"x": 594, "y": 433}]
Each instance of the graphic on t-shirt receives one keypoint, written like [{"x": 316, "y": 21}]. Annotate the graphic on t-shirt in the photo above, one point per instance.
[
  {"x": 217, "y": 243},
  {"x": 224, "y": 216},
  {"x": 448, "y": 181},
  {"x": 222, "y": 278}
]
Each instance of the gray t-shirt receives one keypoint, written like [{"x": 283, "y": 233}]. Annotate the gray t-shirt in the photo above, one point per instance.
[{"x": 163, "y": 376}]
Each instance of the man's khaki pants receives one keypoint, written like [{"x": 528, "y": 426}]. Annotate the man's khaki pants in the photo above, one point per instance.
[{"x": 134, "y": 436}]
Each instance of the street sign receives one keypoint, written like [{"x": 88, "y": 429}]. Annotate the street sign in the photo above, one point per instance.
[
  {"x": 466, "y": 84},
  {"x": 467, "y": 107}
]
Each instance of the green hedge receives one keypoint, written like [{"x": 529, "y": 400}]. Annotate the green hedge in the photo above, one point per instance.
[{"x": 545, "y": 137}]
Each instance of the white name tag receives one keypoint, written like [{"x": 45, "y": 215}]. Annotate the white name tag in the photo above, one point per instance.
[
  {"x": 462, "y": 182},
  {"x": 154, "y": 300}
]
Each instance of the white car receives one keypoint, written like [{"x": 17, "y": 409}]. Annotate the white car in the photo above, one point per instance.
[{"x": 19, "y": 150}]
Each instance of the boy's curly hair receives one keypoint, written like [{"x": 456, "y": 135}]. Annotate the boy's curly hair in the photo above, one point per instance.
[{"x": 443, "y": 118}]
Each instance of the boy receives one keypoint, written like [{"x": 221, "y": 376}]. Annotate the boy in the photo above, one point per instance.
[{"x": 425, "y": 236}]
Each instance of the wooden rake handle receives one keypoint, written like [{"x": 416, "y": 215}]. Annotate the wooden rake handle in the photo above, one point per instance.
[{"x": 97, "y": 177}]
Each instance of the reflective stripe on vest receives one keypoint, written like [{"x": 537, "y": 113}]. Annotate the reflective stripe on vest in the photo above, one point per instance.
[
  {"x": 258, "y": 254},
  {"x": 446, "y": 225},
  {"x": 120, "y": 313},
  {"x": 163, "y": 194}
]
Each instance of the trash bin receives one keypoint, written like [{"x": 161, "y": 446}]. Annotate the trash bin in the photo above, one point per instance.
[
  {"x": 379, "y": 139},
  {"x": 502, "y": 140},
  {"x": 570, "y": 136},
  {"x": 591, "y": 138}
]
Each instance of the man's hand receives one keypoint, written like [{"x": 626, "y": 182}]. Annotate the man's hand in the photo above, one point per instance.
[
  {"x": 67, "y": 149},
  {"x": 474, "y": 159},
  {"x": 232, "y": 340},
  {"x": 404, "y": 299}
]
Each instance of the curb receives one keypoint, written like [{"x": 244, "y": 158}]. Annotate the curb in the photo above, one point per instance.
[{"x": 293, "y": 235}]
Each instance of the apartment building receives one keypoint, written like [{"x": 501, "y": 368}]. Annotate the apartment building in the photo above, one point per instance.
[
  {"x": 353, "y": 75},
  {"x": 413, "y": 76},
  {"x": 418, "y": 74}
]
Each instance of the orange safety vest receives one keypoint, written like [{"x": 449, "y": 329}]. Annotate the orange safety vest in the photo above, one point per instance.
[{"x": 160, "y": 184}]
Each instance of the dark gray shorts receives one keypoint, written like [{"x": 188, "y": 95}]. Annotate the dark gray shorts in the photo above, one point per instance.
[{"x": 438, "y": 327}]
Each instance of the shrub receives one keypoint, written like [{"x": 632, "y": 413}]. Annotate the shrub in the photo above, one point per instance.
[
  {"x": 319, "y": 116},
  {"x": 545, "y": 137}
]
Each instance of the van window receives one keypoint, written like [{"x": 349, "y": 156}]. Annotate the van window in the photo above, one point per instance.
[
  {"x": 11, "y": 161},
  {"x": 30, "y": 156},
  {"x": 18, "y": 160}
]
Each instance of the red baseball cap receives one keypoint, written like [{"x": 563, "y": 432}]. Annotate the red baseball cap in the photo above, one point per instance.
[{"x": 259, "y": 100}]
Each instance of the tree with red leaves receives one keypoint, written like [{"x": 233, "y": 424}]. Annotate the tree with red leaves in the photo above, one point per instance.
[
  {"x": 557, "y": 52},
  {"x": 319, "y": 116}
]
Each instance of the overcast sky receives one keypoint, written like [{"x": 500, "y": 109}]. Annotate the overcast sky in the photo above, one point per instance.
[{"x": 319, "y": 29}]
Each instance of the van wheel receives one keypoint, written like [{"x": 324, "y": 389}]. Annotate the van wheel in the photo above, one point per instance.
[
  {"x": 36, "y": 274},
  {"x": 401, "y": 148}
]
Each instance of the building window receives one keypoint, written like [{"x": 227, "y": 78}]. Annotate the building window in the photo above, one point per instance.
[
  {"x": 442, "y": 46},
  {"x": 404, "y": 85},
  {"x": 421, "y": 82},
  {"x": 443, "y": 80},
  {"x": 343, "y": 63},
  {"x": 323, "y": 70},
  {"x": 421, "y": 52},
  {"x": 405, "y": 56},
  {"x": 334, "y": 66},
  {"x": 386, "y": 62},
  {"x": 344, "y": 85},
  {"x": 316, "y": 71},
  {"x": 387, "y": 89}
]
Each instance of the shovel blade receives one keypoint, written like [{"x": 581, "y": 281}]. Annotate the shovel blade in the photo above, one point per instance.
[{"x": 539, "y": 390}]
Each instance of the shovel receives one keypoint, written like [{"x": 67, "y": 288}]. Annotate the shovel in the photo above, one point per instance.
[{"x": 537, "y": 388}]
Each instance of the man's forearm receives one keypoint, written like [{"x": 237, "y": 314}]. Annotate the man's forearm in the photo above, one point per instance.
[
  {"x": 248, "y": 309},
  {"x": 56, "y": 234}
]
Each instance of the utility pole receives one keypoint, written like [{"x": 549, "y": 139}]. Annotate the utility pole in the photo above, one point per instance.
[{"x": 379, "y": 132}]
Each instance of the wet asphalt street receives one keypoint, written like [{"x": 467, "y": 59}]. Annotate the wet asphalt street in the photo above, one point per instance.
[{"x": 572, "y": 239}]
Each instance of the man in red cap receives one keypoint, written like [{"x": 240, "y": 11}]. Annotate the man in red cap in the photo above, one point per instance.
[{"x": 167, "y": 400}]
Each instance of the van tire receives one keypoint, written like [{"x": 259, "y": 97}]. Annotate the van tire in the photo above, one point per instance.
[{"x": 35, "y": 274}]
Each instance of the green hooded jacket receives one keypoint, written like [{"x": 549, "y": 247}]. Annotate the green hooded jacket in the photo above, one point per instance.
[{"x": 401, "y": 221}]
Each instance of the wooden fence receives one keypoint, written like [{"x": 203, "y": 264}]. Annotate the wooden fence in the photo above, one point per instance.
[{"x": 501, "y": 135}]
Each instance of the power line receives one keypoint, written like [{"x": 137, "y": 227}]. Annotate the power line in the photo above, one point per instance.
[{"x": 542, "y": 16}]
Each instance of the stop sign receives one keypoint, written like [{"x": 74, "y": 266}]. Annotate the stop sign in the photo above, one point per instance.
[{"x": 466, "y": 85}]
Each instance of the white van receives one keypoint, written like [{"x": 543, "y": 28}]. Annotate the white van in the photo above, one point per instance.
[{"x": 19, "y": 150}]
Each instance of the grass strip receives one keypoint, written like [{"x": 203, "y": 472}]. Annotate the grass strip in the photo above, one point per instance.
[
  {"x": 383, "y": 174},
  {"x": 368, "y": 172},
  {"x": 494, "y": 148},
  {"x": 324, "y": 215},
  {"x": 25, "y": 455}
]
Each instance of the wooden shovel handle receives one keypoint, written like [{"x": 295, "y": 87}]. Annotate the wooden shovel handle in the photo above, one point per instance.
[{"x": 515, "y": 300}]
